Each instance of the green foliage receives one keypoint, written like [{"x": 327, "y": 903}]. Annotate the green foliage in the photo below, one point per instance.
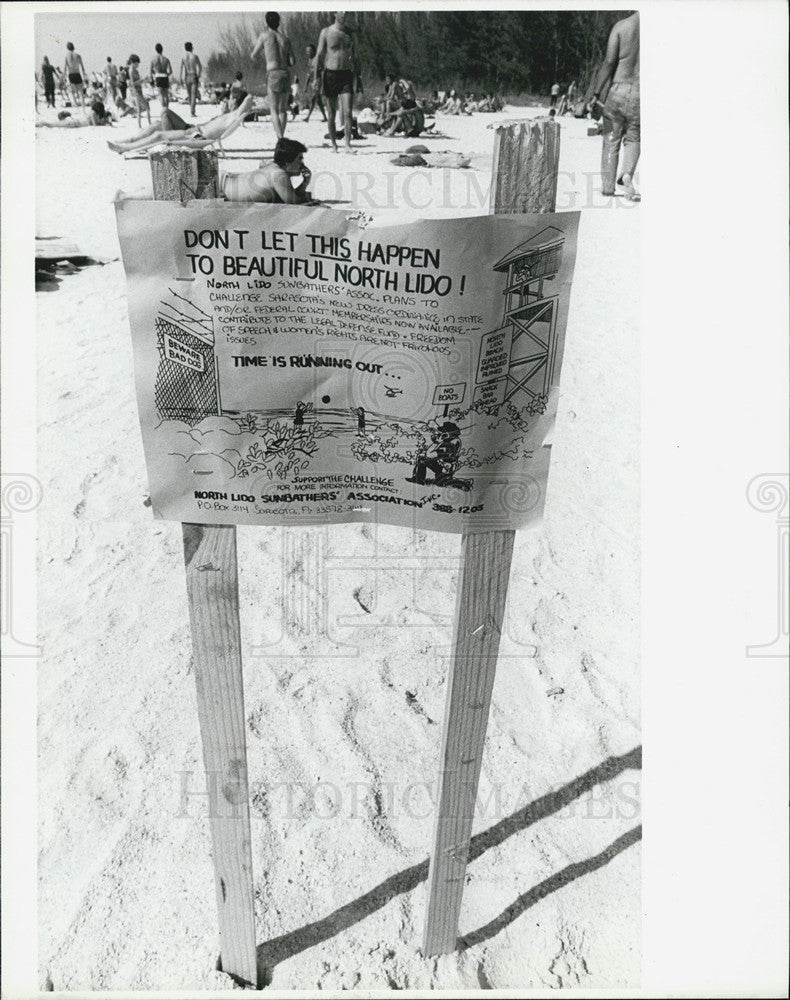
[{"x": 505, "y": 51}]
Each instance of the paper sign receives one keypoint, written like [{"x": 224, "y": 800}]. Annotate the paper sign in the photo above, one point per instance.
[
  {"x": 182, "y": 355},
  {"x": 446, "y": 394},
  {"x": 292, "y": 367}
]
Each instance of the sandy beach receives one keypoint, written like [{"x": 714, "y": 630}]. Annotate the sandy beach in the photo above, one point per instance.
[{"x": 346, "y": 633}]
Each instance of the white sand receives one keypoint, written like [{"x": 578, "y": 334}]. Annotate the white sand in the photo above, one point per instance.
[{"x": 334, "y": 695}]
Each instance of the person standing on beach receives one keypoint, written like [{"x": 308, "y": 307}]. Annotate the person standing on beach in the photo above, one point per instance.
[
  {"x": 48, "y": 79},
  {"x": 621, "y": 123},
  {"x": 190, "y": 75},
  {"x": 161, "y": 71},
  {"x": 337, "y": 72},
  {"x": 136, "y": 86},
  {"x": 74, "y": 71},
  {"x": 555, "y": 93},
  {"x": 123, "y": 81},
  {"x": 279, "y": 57},
  {"x": 111, "y": 78},
  {"x": 312, "y": 91}
]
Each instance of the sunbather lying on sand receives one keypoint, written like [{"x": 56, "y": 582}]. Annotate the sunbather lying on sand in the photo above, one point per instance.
[
  {"x": 173, "y": 130},
  {"x": 83, "y": 119},
  {"x": 271, "y": 182}
]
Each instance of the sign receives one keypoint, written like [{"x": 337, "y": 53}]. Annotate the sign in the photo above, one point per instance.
[
  {"x": 183, "y": 355},
  {"x": 292, "y": 367},
  {"x": 446, "y": 394}
]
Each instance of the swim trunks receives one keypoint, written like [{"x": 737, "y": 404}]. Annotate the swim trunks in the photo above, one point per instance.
[
  {"x": 338, "y": 81},
  {"x": 191, "y": 78},
  {"x": 171, "y": 122},
  {"x": 278, "y": 81},
  {"x": 75, "y": 79},
  {"x": 162, "y": 81}
]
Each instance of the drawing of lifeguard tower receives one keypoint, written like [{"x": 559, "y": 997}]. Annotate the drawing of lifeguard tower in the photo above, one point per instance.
[
  {"x": 187, "y": 383},
  {"x": 517, "y": 360}
]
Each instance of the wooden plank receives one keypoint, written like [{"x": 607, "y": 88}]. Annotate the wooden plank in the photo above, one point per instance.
[
  {"x": 480, "y": 608},
  {"x": 213, "y": 594},
  {"x": 213, "y": 597},
  {"x": 183, "y": 174},
  {"x": 524, "y": 179},
  {"x": 526, "y": 164}
]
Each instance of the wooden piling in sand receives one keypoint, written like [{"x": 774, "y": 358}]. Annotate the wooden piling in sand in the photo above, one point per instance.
[
  {"x": 524, "y": 179},
  {"x": 213, "y": 596}
]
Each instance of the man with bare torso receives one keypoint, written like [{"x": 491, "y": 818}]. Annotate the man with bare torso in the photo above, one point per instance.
[
  {"x": 279, "y": 57},
  {"x": 621, "y": 123},
  {"x": 338, "y": 72},
  {"x": 161, "y": 71},
  {"x": 75, "y": 73},
  {"x": 191, "y": 69}
]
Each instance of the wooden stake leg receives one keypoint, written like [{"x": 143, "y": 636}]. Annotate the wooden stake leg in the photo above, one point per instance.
[
  {"x": 213, "y": 594},
  {"x": 480, "y": 607}
]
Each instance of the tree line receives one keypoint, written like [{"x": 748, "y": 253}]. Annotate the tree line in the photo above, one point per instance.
[{"x": 509, "y": 52}]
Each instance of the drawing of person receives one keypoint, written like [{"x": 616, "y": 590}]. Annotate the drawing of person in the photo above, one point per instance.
[
  {"x": 301, "y": 409},
  {"x": 441, "y": 456},
  {"x": 360, "y": 412}
]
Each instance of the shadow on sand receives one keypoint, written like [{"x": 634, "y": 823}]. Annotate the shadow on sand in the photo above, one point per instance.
[{"x": 277, "y": 950}]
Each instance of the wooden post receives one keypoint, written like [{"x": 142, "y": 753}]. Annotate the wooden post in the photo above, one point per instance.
[
  {"x": 213, "y": 596},
  {"x": 526, "y": 163},
  {"x": 182, "y": 174},
  {"x": 524, "y": 179}
]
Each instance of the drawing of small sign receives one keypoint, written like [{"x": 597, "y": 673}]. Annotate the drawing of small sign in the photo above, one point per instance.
[
  {"x": 494, "y": 354},
  {"x": 446, "y": 394},
  {"x": 492, "y": 394},
  {"x": 182, "y": 355}
]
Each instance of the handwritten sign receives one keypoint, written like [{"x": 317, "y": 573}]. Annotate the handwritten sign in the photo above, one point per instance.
[{"x": 292, "y": 367}]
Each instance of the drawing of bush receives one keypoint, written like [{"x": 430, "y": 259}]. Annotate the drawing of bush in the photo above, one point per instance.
[
  {"x": 280, "y": 449},
  {"x": 538, "y": 404},
  {"x": 389, "y": 443},
  {"x": 248, "y": 423}
]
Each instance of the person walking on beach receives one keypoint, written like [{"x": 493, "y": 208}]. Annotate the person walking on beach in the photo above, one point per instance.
[
  {"x": 74, "y": 71},
  {"x": 621, "y": 124},
  {"x": 48, "y": 72},
  {"x": 338, "y": 71},
  {"x": 136, "y": 86},
  {"x": 161, "y": 71},
  {"x": 555, "y": 93},
  {"x": 312, "y": 91},
  {"x": 123, "y": 81},
  {"x": 279, "y": 58},
  {"x": 190, "y": 75},
  {"x": 111, "y": 78}
]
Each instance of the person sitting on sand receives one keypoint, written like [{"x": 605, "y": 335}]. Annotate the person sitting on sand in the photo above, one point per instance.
[
  {"x": 122, "y": 109},
  {"x": 237, "y": 92},
  {"x": 408, "y": 117},
  {"x": 271, "y": 182},
  {"x": 173, "y": 130}
]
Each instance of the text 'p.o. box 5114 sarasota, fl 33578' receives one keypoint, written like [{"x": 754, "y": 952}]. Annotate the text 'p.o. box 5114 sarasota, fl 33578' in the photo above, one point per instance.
[{"x": 293, "y": 368}]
